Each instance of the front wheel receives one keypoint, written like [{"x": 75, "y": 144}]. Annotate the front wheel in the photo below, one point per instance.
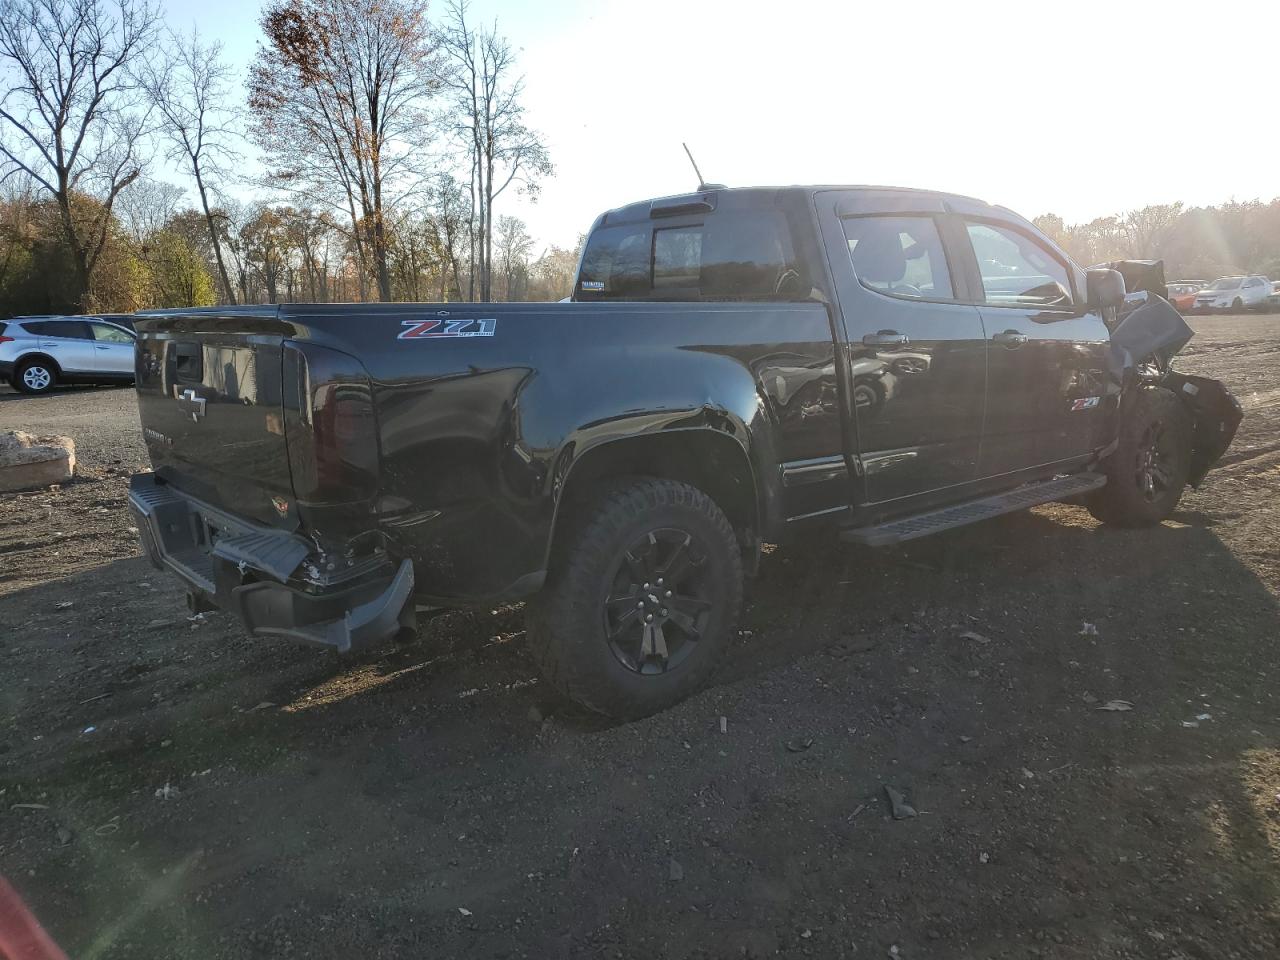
[
  {"x": 1148, "y": 470},
  {"x": 641, "y": 600}
]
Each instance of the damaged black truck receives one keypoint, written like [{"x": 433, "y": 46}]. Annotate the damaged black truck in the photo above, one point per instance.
[{"x": 736, "y": 366}]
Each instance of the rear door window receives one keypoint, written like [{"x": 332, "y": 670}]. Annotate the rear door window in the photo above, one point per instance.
[
  {"x": 1017, "y": 271},
  {"x": 900, "y": 256},
  {"x": 66, "y": 329}
]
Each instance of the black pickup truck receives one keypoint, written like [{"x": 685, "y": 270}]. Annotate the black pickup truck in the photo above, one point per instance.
[{"x": 736, "y": 366}]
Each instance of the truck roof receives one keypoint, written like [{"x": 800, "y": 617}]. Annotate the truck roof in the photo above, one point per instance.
[{"x": 642, "y": 209}]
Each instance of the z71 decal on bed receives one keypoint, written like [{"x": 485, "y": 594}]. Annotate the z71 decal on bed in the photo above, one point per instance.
[{"x": 435, "y": 329}]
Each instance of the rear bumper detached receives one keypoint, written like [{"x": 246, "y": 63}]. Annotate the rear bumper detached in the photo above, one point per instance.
[{"x": 246, "y": 569}]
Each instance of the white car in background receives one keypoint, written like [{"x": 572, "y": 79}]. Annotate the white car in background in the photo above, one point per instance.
[
  {"x": 38, "y": 353},
  {"x": 1234, "y": 293}
]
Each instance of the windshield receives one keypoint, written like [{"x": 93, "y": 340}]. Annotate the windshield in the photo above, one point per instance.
[{"x": 1226, "y": 283}]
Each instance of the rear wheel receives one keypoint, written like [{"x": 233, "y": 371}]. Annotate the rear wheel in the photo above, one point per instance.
[
  {"x": 35, "y": 376},
  {"x": 1237, "y": 303},
  {"x": 1148, "y": 471},
  {"x": 641, "y": 600}
]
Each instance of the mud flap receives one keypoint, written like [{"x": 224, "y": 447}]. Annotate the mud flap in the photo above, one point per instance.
[{"x": 1215, "y": 415}]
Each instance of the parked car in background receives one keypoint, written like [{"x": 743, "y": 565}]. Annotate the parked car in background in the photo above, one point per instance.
[
  {"x": 1233, "y": 293},
  {"x": 1182, "y": 293},
  {"x": 38, "y": 353}
]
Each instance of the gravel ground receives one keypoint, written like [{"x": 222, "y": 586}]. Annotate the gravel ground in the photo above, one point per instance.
[{"x": 170, "y": 788}]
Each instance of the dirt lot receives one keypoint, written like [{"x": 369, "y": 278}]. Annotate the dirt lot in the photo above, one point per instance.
[{"x": 170, "y": 788}]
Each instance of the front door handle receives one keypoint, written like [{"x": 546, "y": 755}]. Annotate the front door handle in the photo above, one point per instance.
[
  {"x": 886, "y": 338},
  {"x": 1010, "y": 337}
]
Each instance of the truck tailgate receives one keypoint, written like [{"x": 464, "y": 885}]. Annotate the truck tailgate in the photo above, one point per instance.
[{"x": 211, "y": 404}]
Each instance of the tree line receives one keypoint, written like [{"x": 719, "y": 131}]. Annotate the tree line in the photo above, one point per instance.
[
  {"x": 387, "y": 141},
  {"x": 1196, "y": 243}
]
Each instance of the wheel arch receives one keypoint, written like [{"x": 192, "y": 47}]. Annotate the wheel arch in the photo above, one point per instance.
[
  {"x": 714, "y": 462},
  {"x": 27, "y": 358}
]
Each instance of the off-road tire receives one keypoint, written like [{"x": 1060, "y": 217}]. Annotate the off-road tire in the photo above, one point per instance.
[
  {"x": 568, "y": 628},
  {"x": 20, "y": 377},
  {"x": 1156, "y": 416}
]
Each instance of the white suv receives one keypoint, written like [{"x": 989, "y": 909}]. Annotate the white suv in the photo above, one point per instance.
[
  {"x": 38, "y": 353},
  {"x": 1233, "y": 293}
]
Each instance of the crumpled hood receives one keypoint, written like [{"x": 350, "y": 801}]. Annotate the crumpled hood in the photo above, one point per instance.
[{"x": 1147, "y": 326}]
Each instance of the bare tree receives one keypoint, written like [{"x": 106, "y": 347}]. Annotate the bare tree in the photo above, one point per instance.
[
  {"x": 489, "y": 122},
  {"x": 189, "y": 88},
  {"x": 514, "y": 245},
  {"x": 70, "y": 113},
  {"x": 340, "y": 98},
  {"x": 1146, "y": 229},
  {"x": 148, "y": 206}
]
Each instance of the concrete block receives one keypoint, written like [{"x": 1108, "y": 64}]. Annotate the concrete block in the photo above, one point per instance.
[{"x": 28, "y": 462}]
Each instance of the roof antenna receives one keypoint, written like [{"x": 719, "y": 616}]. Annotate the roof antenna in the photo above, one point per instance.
[{"x": 702, "y": 184}]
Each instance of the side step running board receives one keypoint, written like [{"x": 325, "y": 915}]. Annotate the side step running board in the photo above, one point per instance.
[{"x": 923, "y": 524}]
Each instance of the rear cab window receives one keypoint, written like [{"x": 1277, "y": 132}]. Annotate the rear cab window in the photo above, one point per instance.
[{"x": 723, "y": 255}]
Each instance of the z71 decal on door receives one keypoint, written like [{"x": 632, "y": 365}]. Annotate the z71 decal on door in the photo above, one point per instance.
[{"x": 436, "y": 329}]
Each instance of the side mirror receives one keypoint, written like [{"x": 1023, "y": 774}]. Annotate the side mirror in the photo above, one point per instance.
[{"x": 1104, "y": 287}]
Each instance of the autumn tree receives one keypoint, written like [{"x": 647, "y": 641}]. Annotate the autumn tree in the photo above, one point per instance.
[
  {"x": 487, "y": 116},
  {"x": 189, "y": 88},
  {"x": 70, "y": 116},
  {"x": 513, "y": 249},
  {"x": 340, "y": 101}
]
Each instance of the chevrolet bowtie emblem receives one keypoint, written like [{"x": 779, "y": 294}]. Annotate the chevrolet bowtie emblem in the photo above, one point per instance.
[{"x": 188, "y": 402}]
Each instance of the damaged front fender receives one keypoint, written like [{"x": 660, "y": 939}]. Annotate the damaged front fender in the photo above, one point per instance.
[{"x": 1147, "y": 334}]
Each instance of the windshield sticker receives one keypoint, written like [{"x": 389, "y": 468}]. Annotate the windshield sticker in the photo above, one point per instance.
[
  {"x": 437, "y": 329},
  {"x": 593, "y": 285}
]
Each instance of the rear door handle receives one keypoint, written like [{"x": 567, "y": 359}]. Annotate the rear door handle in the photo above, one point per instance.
[
  {"x": 1011, "y": 337},
  {"x": 886, "y": 338},
  {"x": 98, "y": 346}
]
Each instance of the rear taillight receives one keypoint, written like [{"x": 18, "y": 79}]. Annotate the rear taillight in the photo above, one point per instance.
[
  {"x": 330, "y": 428},
  {"x": 7, "y": 339}
]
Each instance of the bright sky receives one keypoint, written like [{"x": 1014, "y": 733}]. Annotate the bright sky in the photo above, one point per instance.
[{"x": 1081, "y": 108}]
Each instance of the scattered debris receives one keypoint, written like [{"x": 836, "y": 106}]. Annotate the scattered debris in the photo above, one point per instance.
[
  {"x": 1204, "y": 716},
  {"x": 898, "y": 805},
  {"x": 800, "y": 744},
  {"x": 157, "y": 624},
  {"x": 1190, "y": 723},
  {"x": 64, "y": 604},
  {"x": 806, "y": 933},
  {"x": 108, "y": 828},
  {"x": 984, "y": 857},
  {"x": 89, "y": 729},
  {"x": 29, "y": 806},
  {"x": 857, "y": 810},
  {"x": 166, "y": 792},
  {"x": 98, "y": 697},
  {"x": 724, "y": 724},
  {"x": 64, "y": 836},
  {"x": 964, "y": 739},
  {"x": 675, "y": 872},
  {"x": 1028, "y": 774},
  {"x": 1088, "y": 629},
  {"x": 264, "y": 705},
  {"x": 464, "y": 911},
  {"x": 974, "y": 636},
  {"x": 1116, "y": 706},
  {"x": 1088, "y": 698},
  {"x": 973, "y": 674}
]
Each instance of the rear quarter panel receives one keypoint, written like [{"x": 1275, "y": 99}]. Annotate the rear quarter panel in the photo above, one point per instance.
[{"x": 480, "y": 434}]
